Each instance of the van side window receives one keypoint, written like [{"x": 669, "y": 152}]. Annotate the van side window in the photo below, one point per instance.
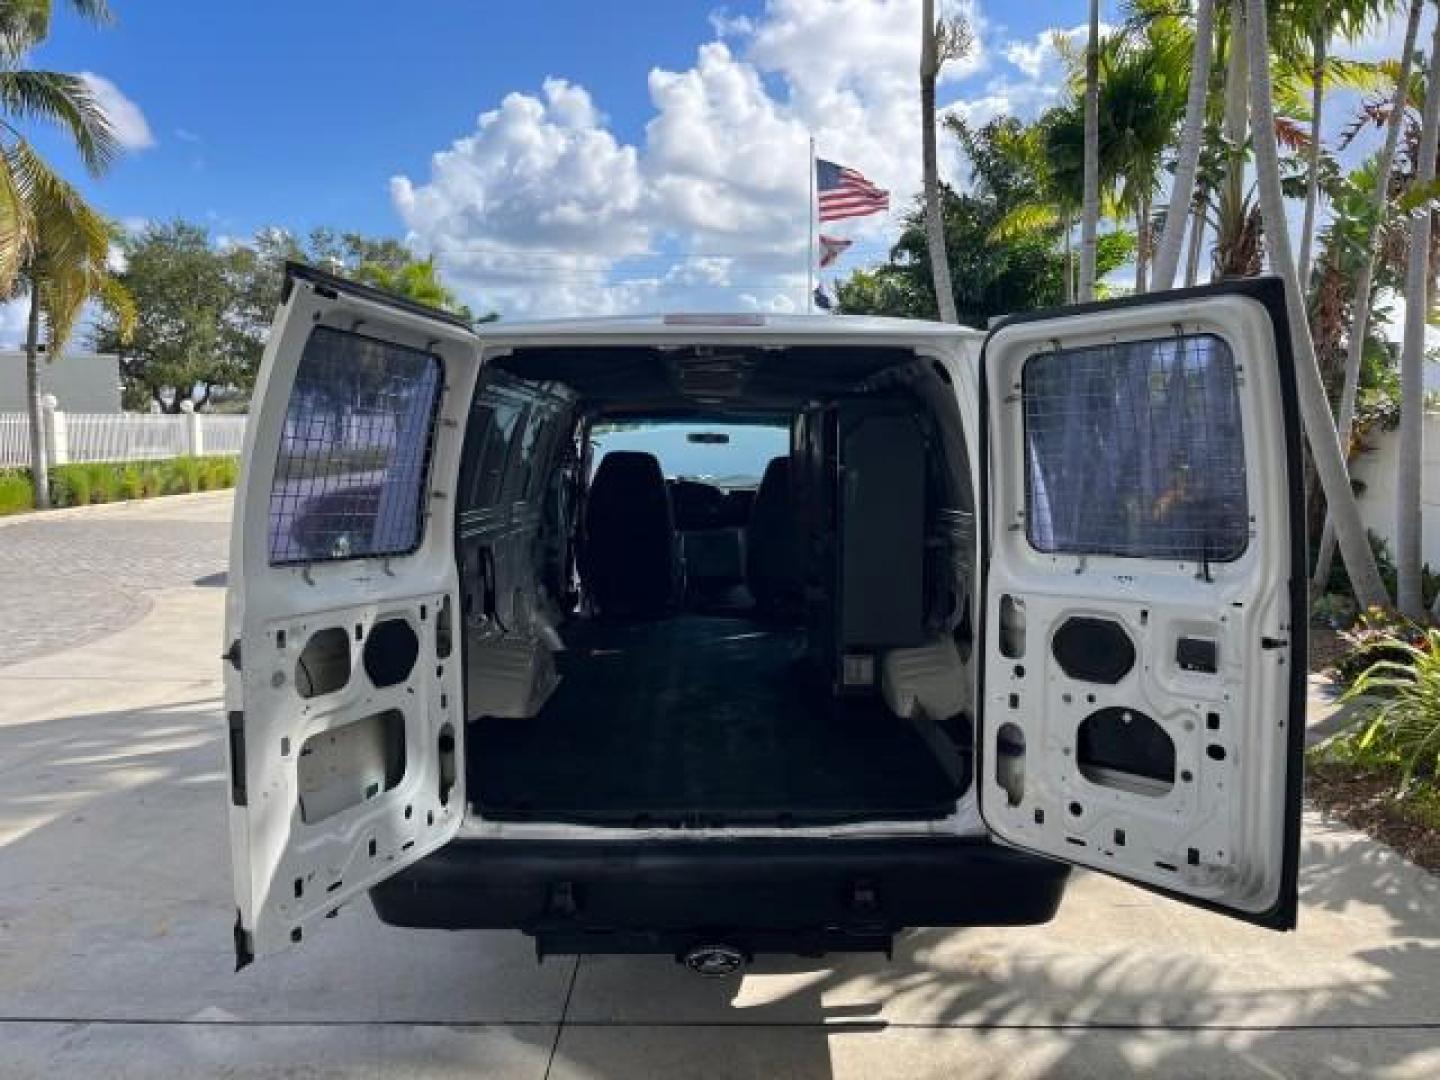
[
  {"x": 1135, "y": 449},
  {"x": 355, "y": 450}
]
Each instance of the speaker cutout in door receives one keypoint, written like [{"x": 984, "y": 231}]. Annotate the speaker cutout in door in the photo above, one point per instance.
[
  {"x": 323, "y": 666},
  {"x": 1093, "y": 650},
  {"x": 1123, "y": 748},
  {"x": 391, "y": 652}
]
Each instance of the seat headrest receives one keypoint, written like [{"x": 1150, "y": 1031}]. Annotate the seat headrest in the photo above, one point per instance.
[{"x": 629, "y": 466}]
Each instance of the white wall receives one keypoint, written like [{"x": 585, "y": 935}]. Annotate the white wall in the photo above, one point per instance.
[
  {"x": 1377, "y": 503},
  {"x": 84, "y": 382}
]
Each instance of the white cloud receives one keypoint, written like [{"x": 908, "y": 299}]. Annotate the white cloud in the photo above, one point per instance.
[
  {"x": 128, "y": 122},
  {"x": 541, "y": 210}
]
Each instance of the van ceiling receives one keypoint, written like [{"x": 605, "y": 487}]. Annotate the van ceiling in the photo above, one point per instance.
[{"x": 713, "y": 380}]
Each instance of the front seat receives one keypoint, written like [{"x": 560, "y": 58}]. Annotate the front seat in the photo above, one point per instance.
[
  {"x": 630, "y": 564},
  {"x": 774, "y": 568}
]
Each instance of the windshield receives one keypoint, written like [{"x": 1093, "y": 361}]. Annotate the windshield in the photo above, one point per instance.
[{"x": 726, "y": 455}]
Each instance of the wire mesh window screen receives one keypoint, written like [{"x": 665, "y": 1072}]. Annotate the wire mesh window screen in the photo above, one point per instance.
[
  {"x": 355, "y": 450},
  {"x": 1135, "y": 449}
]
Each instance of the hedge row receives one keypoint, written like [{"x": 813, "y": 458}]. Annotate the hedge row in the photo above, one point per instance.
[{"x": 103, "y": 482}]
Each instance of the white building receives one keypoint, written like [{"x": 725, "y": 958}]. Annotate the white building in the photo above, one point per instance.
[{"x": 82, "y": 382}]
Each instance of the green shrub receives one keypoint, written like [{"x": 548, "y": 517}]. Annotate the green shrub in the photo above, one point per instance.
[
  {"x": 15, "y": 494},
  {"x": 70, "y": 485},
  {"x": 1404, "y": 718},
  {"x": 132, "y": 482},
  {"x": 102, "y": 482},
  {"x": 184, "y": 475},
  {"x": 1376, "y": 635}
]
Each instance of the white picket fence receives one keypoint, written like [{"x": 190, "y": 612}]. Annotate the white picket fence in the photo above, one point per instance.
[{"x": 84, "y": 437}]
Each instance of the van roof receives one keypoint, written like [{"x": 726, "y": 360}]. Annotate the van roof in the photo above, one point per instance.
[{"x": 693, "y": 325}]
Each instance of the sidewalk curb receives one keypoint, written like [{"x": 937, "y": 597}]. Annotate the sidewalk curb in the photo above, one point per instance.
[{"x": 64, "y": 512}]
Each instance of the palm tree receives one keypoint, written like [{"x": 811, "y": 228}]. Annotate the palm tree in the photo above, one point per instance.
[
  {"x": 1182, "y": 192},
  {"x": 1090, "y": 201},
  {"x": 46, "y": 231},
  {"x": 1412, "y": 355},
  {"x": 939, "y": 42},
  {"x": 1313, "y": 23},
  {"x": 1142, "y": 99},
  {"x": 1252, "y": 38},
  {"x": 1364, "y": 280}
]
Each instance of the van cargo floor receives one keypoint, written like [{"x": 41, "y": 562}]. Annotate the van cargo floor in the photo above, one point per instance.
[{"x": 702, "y": 720}]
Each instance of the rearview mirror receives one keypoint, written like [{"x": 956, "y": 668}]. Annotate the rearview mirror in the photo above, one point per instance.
[{"x": 709, "y": 438}]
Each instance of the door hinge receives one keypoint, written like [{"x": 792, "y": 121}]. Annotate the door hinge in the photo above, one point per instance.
[
  {"x": 239, "y": 795},
  {"x": 244, "y": 944},
  {"x": 232, "y": 654}
]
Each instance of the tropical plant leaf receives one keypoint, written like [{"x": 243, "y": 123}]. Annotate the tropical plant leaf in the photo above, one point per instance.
[{"x": 66, "y": 101}]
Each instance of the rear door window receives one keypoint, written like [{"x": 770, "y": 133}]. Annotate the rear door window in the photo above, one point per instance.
[
  {"x": 1135, "y": 449},
  {"x": 355, "y": 450}
]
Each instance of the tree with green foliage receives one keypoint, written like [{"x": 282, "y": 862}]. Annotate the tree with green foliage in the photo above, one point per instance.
[
  {"x": 991, "y": 276},
  {"x": 204, "y": 311}
]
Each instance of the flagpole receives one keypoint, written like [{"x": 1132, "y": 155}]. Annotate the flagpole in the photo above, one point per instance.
[{"x": 810, "y": 243}]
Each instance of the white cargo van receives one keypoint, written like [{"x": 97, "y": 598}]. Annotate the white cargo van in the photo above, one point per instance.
[{"x": 982, "y": 607}]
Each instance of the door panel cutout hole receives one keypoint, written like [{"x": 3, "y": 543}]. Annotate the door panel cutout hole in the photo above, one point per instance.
[
  {"x": 448, "y": 769},
  {"x": 1039, "y": 815},
  {"x": 323, "y": 666},
  {"x": 1075, "y": 840},
  {"x": 1168, "y": 866},
  {"x": 350, "y": 764},
  {"x": 1076, "y": 809},
  {"x": 391, "y": 652},
  {"x": 1126, "y": 750},
  {"x": 444, "y": 631},
  {"x": 1215, "y": 752},
  {"x": 1012, "y": 627},
  {"x": 1192, "y": 856},
  {"x": 1010, "y": 764},
  {"x": 1119, "y": 837},
  {"x": 1212, "y": 721},
  {"x": 1093, "y": 650}
]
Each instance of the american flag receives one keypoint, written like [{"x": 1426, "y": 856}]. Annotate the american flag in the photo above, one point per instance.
[{"x": 845, "y": 193}]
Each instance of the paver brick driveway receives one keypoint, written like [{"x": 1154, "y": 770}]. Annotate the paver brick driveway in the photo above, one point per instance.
[{"x": 69, "y": 578}]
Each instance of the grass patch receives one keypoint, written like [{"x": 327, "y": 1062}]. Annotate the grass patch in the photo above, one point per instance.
[{"x": 104, "y": 482}]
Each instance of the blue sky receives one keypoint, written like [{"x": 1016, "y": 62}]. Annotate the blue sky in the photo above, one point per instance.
[{"x": 559, "y": 158}]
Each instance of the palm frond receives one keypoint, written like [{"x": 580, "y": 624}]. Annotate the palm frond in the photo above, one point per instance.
[
  {"x": 66, "y": 101},
  {"x": 1025, "y": 219}
]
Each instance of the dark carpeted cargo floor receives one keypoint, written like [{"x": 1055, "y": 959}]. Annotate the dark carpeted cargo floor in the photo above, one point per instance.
[{"x": 702, "y": 720}]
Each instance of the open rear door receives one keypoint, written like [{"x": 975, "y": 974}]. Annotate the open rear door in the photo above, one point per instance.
[
  {"x": 342, "y": 686},
  {"x": 1144, "y": 627}
]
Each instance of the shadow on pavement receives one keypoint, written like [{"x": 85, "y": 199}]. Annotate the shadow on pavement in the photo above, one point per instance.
[{"x": 115, "y": 905}]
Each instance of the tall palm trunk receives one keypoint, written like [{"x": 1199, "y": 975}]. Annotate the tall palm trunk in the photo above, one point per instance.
[
  {"x": 1364, "y": 281},
  {"x": 1192, "y": 133},
  {"x": 1090, "y": 209},
  {"x": 1232, "y": 216},
  {"x": 1312, "y": 165},
  {"x": 934, "y": 223},
  {"x": 1142, "y": 244},
  {"x": 39, "y": 447},
  {"x": 1069, "y": 224},
  {"x": 1412, "y": 358},
  {"x": 1315, "y": 409},
  {"x": 1198, "y": 225}
]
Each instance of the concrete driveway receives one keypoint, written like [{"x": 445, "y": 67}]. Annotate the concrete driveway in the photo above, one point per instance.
[{"x": 115, "y": 914}]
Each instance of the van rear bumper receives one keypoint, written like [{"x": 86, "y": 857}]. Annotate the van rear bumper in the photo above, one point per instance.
[{"x": 801, "y": 895}]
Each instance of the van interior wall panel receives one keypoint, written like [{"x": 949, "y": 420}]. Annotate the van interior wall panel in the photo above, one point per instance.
[{"x": 704, "y": 720}]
